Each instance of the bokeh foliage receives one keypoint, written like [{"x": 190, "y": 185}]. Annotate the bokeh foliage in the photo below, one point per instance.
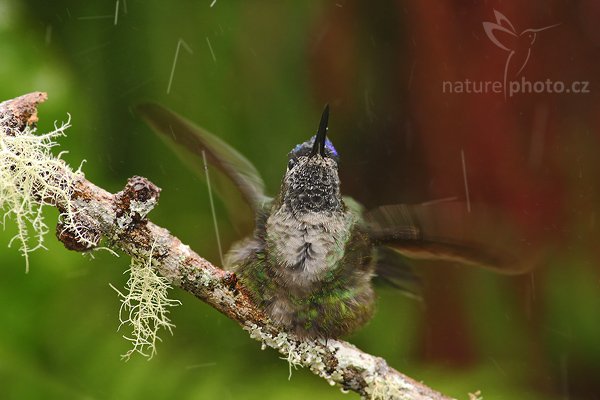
[{"x": 275, "y": 64}]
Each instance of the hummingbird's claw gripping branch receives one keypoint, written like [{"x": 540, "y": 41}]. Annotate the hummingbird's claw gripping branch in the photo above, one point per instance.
[{"x": 120, "y": 218}]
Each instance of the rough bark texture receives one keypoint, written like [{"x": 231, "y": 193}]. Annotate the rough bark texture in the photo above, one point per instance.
[{"x": 121, "y": 220}]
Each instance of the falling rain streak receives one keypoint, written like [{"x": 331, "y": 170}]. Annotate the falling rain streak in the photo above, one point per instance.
[
  {"x": 212, "y": 53},
  {"x": 117, "y": 12},
  {"x": 464, "y": 169},
  {"x": 212, "y": 207},
  {"x": 189, "y": 50}
]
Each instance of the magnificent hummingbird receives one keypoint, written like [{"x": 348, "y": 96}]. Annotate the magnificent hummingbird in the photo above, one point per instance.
[{"x": 314, "y": 253}]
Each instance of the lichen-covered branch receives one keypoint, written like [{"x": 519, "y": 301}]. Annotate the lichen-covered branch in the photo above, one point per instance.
[{"x": 89, "y": 213}]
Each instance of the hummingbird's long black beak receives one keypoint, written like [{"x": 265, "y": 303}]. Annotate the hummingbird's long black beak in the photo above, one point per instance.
[{"x": 319, "y": 145}]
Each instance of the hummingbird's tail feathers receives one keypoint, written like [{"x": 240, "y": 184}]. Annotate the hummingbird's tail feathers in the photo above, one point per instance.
[
  {"x": 451, "y": 231},
  {"x": 394, "y": 270},
  {"x": 229, "y": 161}
]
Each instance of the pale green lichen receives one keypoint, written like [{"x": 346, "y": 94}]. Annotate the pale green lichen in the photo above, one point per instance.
[
  {"x": 297, "y": 353},
  {"x": 142, "y": 208},
  {"x": 385, "y": 388},
  {"x": 145, "y": 307},
  {"x": 312, "y": 353},
  {"x": 30, "y": 177},
  {"x": 476, "y": 396}
]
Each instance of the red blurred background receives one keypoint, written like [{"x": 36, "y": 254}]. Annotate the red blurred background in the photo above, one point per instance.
[{"x": 533, "y": 154}]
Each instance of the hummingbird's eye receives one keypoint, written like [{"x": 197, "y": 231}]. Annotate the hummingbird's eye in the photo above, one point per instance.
[{"x": 291, "y": 163}]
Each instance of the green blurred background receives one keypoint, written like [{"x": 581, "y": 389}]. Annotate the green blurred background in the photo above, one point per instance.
[{"x": 258, "y": 76}]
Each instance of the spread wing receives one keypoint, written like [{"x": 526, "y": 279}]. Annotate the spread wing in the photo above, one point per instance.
[
  {"x": 449, "y": 231},
  {"x": 196, "y": 140},
  {"x": 394, "y": 270}
]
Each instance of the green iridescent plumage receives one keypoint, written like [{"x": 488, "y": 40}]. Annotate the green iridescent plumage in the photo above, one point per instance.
[{"x": 340, "y": 301}]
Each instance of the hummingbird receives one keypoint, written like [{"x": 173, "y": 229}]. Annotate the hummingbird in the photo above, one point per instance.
[{"x": 313, "y": 255}]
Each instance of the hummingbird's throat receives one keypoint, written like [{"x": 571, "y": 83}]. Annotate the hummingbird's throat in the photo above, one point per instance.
[{"x": 312, "y": 188}]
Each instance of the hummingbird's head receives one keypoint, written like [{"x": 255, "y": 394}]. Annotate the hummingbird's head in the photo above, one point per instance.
[{"x": 311, "y": 183}]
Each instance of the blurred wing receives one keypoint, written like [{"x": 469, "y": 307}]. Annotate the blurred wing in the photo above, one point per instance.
[
  {"x": 391, "y": 268},
  {"x": 229, "y": 161},
  {"x": 448, "y": 231}
]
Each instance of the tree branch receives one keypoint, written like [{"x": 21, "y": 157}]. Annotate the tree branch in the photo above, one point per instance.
[{"x": 120, "y": 218}]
